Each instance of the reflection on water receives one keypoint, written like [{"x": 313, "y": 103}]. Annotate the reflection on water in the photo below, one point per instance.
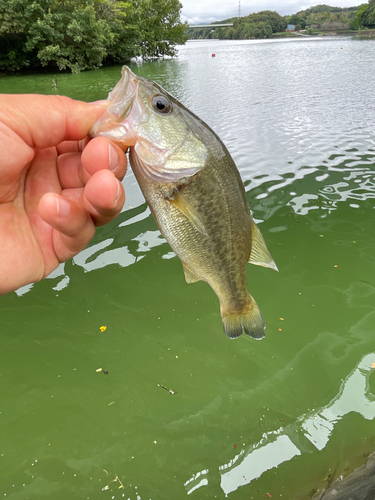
[
  {"x": 354, "y": 396},
  {"x": 281, "y": 445},
  {"x": 325, "y": 187}
]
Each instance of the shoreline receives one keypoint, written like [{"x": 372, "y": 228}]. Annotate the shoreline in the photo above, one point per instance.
[{"x": 355, "y": 34}]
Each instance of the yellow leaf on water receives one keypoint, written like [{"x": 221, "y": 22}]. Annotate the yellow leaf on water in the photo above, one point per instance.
[{"x": 103, "y": 328}]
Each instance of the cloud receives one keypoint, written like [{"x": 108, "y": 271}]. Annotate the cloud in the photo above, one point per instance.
[{"x": 207, "y": 11}]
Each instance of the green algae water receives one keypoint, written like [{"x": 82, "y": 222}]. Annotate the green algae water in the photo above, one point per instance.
[{"x": 183, "y": 411}]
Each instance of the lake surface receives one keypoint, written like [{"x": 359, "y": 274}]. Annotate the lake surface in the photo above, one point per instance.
[{"x": 248, "y": 420}]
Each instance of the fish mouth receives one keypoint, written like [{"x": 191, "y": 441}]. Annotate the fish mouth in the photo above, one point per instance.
[
  {"x": 123, "y": 95},
  {"x": 112, "y": 123}
]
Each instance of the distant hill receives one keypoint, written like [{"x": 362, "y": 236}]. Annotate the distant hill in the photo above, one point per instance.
[
  {"x": 265, "y": 23},
  {"x": 325, "y": 8},
  {"x": 323, "y": 16}
]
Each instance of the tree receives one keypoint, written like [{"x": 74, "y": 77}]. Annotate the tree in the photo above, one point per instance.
[
  {"x": 123, "y": 33},
  {"x": 324, "y": 14},
  {"x": 368, "y": 18},
  {"x": 297, "y": 21},
  {"x": 84, "y": 34},
  {"x": 259, "y": 25},
  {"x": 273, "y": 19},
  {"x": 359, "y": 18},
  {"x": 158, "y": 27},
  {"x": 72, "y": 37},
  {"x": 52, "y": 33}
]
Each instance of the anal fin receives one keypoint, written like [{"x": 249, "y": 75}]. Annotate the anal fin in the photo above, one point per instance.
[
  {"x": 260, "y": 255},
  {"x": 190, "y": 275}
]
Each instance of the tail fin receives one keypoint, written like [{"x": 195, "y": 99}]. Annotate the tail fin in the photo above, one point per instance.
[{"x": 249, "y": 318}]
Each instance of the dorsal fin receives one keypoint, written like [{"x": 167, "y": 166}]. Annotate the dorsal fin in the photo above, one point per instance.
[{"x": 260, "y": 255}]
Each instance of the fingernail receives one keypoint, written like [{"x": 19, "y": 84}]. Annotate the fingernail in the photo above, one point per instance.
[
  {"x": 63, "y": 207},
  {"x": 103, "y": 102},
  {"x": 113, "y": 158}
]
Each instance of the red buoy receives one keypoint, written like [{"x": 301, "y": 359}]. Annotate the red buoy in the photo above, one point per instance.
[{"x": 213, "y": 55}]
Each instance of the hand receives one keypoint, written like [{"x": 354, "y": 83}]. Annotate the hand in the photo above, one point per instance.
[{"x": 55, "y": 184}]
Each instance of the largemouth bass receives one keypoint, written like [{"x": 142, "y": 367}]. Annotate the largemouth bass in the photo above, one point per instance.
[{"x": 194, "y": 191}]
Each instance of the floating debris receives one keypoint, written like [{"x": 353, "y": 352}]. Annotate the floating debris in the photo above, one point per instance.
[
  {"x": 113, "y": 481},
  {"x": 98, "y": 370},
  {"x": 166, "y": 388},
  {"x": 118, "y": 479}
]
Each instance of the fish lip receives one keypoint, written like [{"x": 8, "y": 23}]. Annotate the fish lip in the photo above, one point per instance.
[
  {"x": 123, "y": 95},
  {"x": 121, "y": 100}
]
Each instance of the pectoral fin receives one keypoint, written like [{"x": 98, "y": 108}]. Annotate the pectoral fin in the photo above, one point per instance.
[
  {"x": 260, "y": 255},
  {"x": 190, "y": 275},
  {"x": 180, "y": 202}
]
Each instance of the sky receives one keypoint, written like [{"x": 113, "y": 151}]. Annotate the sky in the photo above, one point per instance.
[{"x": 207, "y": 11}]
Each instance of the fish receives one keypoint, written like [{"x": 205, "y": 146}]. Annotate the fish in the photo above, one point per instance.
[{"x": 194, "y": 191}]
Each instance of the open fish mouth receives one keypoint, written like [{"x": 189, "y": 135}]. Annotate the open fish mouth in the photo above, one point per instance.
[
  {"x": 113, "y": 122},
  {"x": 123, "y": 95}
]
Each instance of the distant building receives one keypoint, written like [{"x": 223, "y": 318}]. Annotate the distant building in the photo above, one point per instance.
[{"x": 291, "y": 27}]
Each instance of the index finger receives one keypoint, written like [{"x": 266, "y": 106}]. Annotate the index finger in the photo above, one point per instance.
[{"x": 44, "y": 121}]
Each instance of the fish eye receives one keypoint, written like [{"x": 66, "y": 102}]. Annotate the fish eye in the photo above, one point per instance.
[{"x": 161, "y": 104}]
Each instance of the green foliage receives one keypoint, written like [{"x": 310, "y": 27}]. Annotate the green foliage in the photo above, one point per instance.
[
  {"x": 203, "y": 33},
  {"x": 83, "y": 34},
  {"x": 321, "y": 8},
  {"x": 366, "y": 15},
  {"x": 259, "y": 25},
  {"x": 263, "y": 24},
  {"x": 326, "y": 14},
  {"x": 359, "y": 18},
  {"x": 256, "y": 30},
  {"x": 158, "y": 27},
  {"x": 297, "y": 21}
]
